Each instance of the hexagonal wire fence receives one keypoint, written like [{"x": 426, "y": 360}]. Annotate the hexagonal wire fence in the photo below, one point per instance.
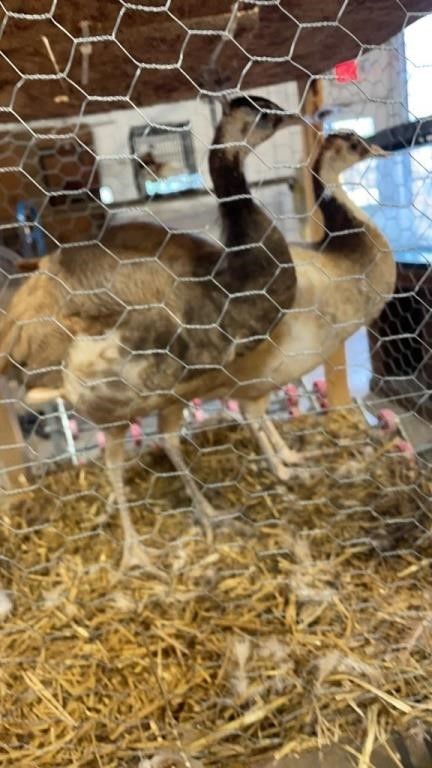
[{"x": 215, "y": 371}]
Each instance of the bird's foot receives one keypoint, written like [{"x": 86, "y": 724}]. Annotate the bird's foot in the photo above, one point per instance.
[
  {"x": 282, "y": 460},
  {"x": 282, "y": 471},
  {"x": 136, "y": 555},
  {"x": 289, "y": 457},
  {"x": 209, "y": 517},
  {"x": 205, "y": 514}
]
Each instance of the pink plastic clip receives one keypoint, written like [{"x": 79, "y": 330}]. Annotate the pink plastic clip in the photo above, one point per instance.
[
  {"x": 406, "y": 448},
  {"x": 388, "y": 420},
  {"x": 232, "y": 406},
  {"x": 198, "y": 413},
  {"x": 292, "y": 399},
  {"x": 321, "y": 393},
  {"x": 135, "y": 432},
  {"x": 73, "y": 426},
  {"x": 100, "y": 439}
]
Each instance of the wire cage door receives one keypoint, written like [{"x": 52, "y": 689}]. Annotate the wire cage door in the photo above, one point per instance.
[{"x": 164, "y": 160}]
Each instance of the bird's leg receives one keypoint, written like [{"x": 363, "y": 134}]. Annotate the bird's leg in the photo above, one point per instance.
[
  {"x": 202, "y": 508},
  {"x": 275, "y": 463},
  {"x": 278, "y": 456},
  {"x": 134, "y": 552},
  {"x": 169, "y": 425},
  {"x": 288, "y": 455}
]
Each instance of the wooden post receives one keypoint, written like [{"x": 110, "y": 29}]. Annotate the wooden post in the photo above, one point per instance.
[
  {"x": 338, "y": 393},
  {"x": 312, "y": 102},
  {"x": 13, "y": 456},
  {"x": 335, "y": 365}
]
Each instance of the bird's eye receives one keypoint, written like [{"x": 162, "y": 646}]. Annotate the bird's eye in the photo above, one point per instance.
[{"x": 354, "y": 145}]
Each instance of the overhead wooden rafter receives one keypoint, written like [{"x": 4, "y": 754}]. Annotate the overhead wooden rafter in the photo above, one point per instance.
[{"x": 146, "y": 52}]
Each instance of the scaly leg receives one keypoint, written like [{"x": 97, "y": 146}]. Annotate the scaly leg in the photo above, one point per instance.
[
  {"x": 202, "y": 508},
  {"x": 275, "y": 463},
  {"x": 280, "y": 458},
  {"x": 169, "y": 425},
  {"x": 288, "y": 455},
  {"x": 134, "y": 553}
]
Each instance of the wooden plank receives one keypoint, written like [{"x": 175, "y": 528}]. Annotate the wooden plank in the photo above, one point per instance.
[
  {"x": 13, "y": 454},
  {"x": 335, "y": 366}
]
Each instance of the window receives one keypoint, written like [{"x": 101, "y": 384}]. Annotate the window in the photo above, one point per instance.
[{"x": 417, "y": 39}]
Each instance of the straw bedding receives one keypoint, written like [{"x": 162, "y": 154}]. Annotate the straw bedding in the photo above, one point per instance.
[{"x": 307, "y": 621}]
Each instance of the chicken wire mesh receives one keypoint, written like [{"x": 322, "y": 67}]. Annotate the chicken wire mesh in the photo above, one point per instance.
[{"x": 261, "y": 589}]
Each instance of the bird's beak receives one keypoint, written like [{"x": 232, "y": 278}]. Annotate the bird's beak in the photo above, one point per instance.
[
  {"x": 287, "y": 121},
  {"x": 41, "y": 395},
  {"x": 376, "y": 151},
  {"x": 28, "y": 265}
]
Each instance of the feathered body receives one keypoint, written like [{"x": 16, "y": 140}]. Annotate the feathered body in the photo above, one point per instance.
[
  {"x": 126, "y": 328},
  {"x": 343, "y": 282},
  {"x": 132, "y": 329}
]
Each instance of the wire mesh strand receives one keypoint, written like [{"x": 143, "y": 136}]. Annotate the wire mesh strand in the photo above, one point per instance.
[{"x": 278, "y": 599}]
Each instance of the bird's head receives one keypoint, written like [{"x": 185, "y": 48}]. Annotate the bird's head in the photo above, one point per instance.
[
  {"x": 340, "y": 151},
  {"x": 251, "y": 120}
]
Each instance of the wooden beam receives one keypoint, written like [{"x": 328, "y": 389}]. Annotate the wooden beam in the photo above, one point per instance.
[
  {"x": 13, "y": 454},
  {"x": 335, "y": 366}
]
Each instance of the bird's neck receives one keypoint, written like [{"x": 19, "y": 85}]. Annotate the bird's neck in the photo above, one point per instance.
[
  {"x": 255, "y": 246},
  {"x": 257, "y": 257},
  {"x": 231, "y": 187},
  {"x": 245, "y": 224},
  {"x": 341, "y": 217}
]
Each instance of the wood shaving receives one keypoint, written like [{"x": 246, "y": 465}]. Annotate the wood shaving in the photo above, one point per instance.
[{"x": 310, "y": 610}]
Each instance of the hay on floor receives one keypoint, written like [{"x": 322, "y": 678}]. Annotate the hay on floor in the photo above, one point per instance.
[{"x": 308, "y": 621}]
